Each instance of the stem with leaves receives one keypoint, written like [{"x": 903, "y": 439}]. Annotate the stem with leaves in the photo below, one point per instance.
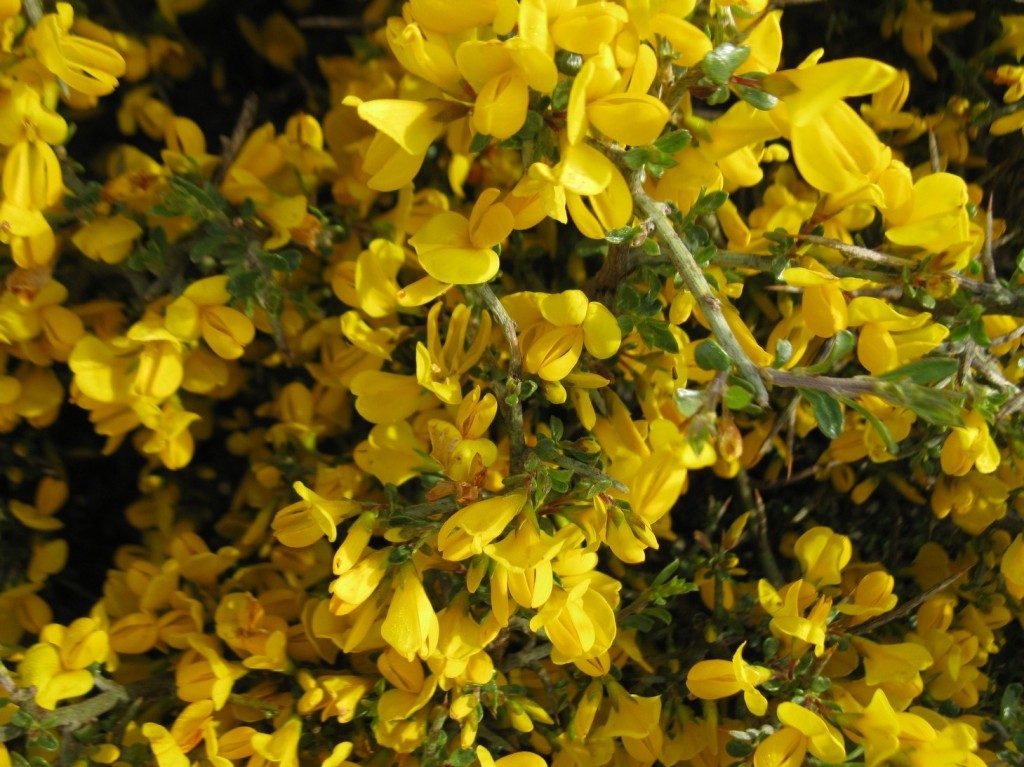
[
  {"x": 509, "y": 394},
  {"x": 693, "y": 277}
]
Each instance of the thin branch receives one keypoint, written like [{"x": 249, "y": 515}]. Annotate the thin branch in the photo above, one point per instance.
[
  {"x": 509, "y": 399},
  {"x": 231, "y": 146},
  {"x": 755, "y": 505},
  {"x": 856, "y": 251},
  {"x": 347, "y": 23},
  {"x": 697, "y": 284},
  {"x": 987, "y": 256},
  {"x": 906, "y": 609}
]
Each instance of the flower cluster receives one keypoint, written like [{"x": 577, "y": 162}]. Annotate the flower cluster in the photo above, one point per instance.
[{"x": 565, "y": 383}]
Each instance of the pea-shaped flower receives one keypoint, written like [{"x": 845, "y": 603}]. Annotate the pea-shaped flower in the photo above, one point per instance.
[{"x": 460, "y": 250}]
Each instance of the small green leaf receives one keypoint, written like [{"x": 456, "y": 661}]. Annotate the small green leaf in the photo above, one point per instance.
[
  {"x": 689, "y": 401},
  {"x": 672, "y": 142},
  {"x": 622, "y": 234},
  {"x": 783, "y": 353},
  {"x": 739, "y": 749},
  {"x": 827, "y": 412},
  {"x": 636, "y": 157},
  {"x": 1009, "y": 703},
  {"x": 709, "y": 202},
  {"x": 923, "y": 372},
  {"x": 479, "y": 143},
  {"x": 756, "y": 97},
  {"x": 568, "y": 63},
  {"x": 242, "y": 284},
  {"x": 737, "y": 398},
  {"x": 710, "y": 356}
]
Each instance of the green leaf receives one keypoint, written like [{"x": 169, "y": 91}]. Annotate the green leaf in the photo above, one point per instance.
[
  {"x": 737, "y": 398},
  {"x": 622, "y": 234},
  {"x": 710, "y": 356},
  {"x": 242, "y": 284},
  {"x": 783, "y": 353},
  {"x": 756, "y": 97},
  {"x": 709, "y": 202},
  {"x": 827, "y": 412},
  {"x": 479, "y": 143},
  {"x": 655, "y": 333},
  {"x": 672, "y": 142},
  {"x": 636, "y": 157},
  {"x": 923, "y": 372},
  {"x": 1009, "y": 703},
  {"x": 689, "y": 401},
  {"x": 560, "y": 96},
  {"x": 883, "y": 431},
  {"x": 739, "y": 749},
  {"x": 976, "y": 329},
  {"x": 627, "y": 298},
  {"x": 667, "y": 572}
]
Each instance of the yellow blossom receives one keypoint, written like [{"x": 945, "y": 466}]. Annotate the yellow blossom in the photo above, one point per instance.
[
  {"x": 85, "y": 65},
  {"x": 715, "y": 679}
]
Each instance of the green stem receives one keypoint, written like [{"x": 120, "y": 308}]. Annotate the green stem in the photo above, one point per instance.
[
  {"x": 693, "y": 276},
  {"x": 509, "y": 399}
]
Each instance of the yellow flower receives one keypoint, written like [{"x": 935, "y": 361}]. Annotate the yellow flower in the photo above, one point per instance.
[
  {"x": 502, "y": 73},
  {"x": 715, "y": 679},
  {"x": 579, "y": 623},
  {"x": 51, "y": 494},
  {"x": 555, "y": 328},
  {"x": 85, "y": 65},
  {"x": 900, "y": 662},
  {"x": 919, "y": 23},
  {"x": 109, "y": 239},
  {"x": 201, "y": 310},
  {"x": 440, "y": 368},
  {"x": 618, "y": 107},
  {"x": 467, "y": 531},
  {"x": 457, "y": 250},
  {"x": 277, "y": 40},
  {"x": 303, "y": 523},
  {"x": 872, "y": 596},
  {"x": 1011, "y": 567},
  {"x": 32, "y": 178},
  {"x": 823, "y": 554},
  {"x": 1012, "y": 38},
  {"x": 411, "y": 625},
  {"x": 970, "y": 446},
  {"x": 802, "y": 731},
  {"x": 788, "y": 620},
  {"x": 57, "y": 666},
  {"x": 24, "y": 117},
  {"x": 888, "y": 338}
]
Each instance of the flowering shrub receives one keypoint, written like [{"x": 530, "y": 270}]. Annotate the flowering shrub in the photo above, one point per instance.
[{"x": 517, "y": 383}]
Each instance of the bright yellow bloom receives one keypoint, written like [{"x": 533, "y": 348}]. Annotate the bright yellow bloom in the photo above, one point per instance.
[
  {"x": 306, "y": 521},
  {"x": 411, "y": 625},
  {"x": 85, "y": 65},
  {"x": 467, "y": 531},
  {"x": 715, "y": 679},
  {"x": 440, "y": 368},
  {"x": 58, "y": 664},
  {"x": 202, "y": 310},
  {"x": 918, "y": 25},
  {"x": 454, "y": 249},
  {"x": 889, "y": 338},
  {"x": 555, "y": 328},
  {"x": 618, "y": 107},
  {"x": 1011, "y": 566},
  {"x": 109, "y": 239},
  {"x": 823, "y": 554},
  {"x": 970, "y": 446},
  {"x": 579, "y": 623}
]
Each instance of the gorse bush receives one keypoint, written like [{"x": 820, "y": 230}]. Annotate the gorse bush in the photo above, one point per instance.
[{"x": 511, "y": 383}]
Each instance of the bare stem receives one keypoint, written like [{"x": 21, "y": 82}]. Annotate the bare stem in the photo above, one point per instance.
[
  {"x": 710, "y": 304},
  {"x": 856, "y": 251},
  {"x": 509, "y": 399},
  {"x": 755, "y": 505}
]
